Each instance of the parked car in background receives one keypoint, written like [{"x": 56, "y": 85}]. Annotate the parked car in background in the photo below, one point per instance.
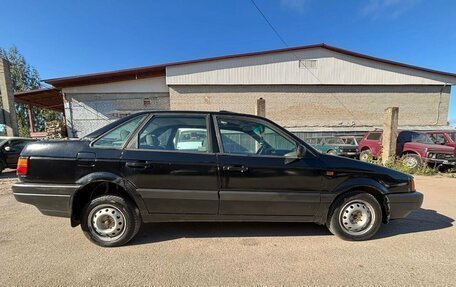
[
  {"x": 352, "y": 140},
  {"x": 443, "y": 137},
  {"x": 10, "y": 149},
  {"x": 415, "y": 148},
  {"x": 334, "y": 146},
  {"x": 243, "y": 168}
]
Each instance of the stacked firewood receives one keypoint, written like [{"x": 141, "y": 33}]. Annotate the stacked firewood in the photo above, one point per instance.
[{"x": 55, "y": 130}]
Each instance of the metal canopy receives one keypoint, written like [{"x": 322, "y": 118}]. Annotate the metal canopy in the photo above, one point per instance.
[{"x": 48, "y": 98}]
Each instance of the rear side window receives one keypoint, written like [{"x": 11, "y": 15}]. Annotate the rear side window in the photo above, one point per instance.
[
  {"x": 374, "y": 136},
  {"x": 175, "y": 133},
  {"x": 118, "y": 136}
]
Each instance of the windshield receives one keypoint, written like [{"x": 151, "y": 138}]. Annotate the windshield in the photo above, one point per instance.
[{"x": 452, "y": 136}]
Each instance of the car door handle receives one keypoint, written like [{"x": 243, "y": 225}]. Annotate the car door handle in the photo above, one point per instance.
[
  {"x": 237, "y": 168},
  {"x": 137, "y": 164}
]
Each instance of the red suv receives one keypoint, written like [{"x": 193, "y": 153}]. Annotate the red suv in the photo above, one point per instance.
[
  {"x": 443, "y": 137},
  {"x": 414, "y": 147}
]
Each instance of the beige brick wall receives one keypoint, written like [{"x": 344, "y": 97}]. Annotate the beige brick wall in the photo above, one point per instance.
[{"x": 313, "y": 106}]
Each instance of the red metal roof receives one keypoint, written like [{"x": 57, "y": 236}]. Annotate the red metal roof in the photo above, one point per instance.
[{"x": 160, "y": 70}]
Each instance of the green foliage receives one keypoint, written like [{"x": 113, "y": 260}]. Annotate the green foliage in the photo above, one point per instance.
[
  {"x": 24, "y": 78},
  {"x": 399, "y": 165}
]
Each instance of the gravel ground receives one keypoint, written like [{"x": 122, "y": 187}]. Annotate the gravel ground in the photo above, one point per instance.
[{"x": 45, "y": 251}]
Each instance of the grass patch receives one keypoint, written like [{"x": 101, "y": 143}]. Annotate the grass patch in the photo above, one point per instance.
[{"x": 399, "y": 165}]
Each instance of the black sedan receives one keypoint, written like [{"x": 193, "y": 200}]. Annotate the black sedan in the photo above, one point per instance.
[{"x": 205, "y": 166}]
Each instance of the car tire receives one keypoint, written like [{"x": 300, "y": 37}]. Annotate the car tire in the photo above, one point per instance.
[
  {"x": 365, "y": 155},
  {"x": 331, "y": 152},
  {"x": 411, "y": 160},
  {"x": 110, "y": 220},
  {"x": 355, "y": 217}
]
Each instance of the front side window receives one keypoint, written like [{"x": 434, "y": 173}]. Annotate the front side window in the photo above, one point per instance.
[
  {"x": 118, "y": 136},
  {"x": 175, "y": 133},
  {"x": 239, "y": 136}
]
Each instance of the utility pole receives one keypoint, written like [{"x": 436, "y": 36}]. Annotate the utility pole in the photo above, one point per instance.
[
  {"x": 261, "y": 107},
  {"x": 6, "y": 90},
  {"x": 390, "y": 124}
]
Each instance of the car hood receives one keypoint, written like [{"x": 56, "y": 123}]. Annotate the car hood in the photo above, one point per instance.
[
  {"x": 346, "y": 165},
  {"x": 434, "y": 147}
]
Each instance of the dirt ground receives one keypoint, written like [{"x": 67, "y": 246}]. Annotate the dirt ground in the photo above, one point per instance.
[{"x": 45, "y": 251}]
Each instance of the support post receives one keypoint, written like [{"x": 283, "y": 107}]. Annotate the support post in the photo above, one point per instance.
[
  {"x": 30, "y": 118},
  {"x": 390, "y": 124},
  {"x": 6, "y": 90},
  {"x": 260, "y": 107}
]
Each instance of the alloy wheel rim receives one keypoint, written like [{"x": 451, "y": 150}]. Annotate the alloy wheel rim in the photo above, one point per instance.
[
  {"x": 107, "y": 222},
  {"x": 411, "y": 162},
  {"x": 357, "y": 217}
]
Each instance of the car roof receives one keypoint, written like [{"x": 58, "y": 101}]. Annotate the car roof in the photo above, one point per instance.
[{"x": 109, "y": 126}]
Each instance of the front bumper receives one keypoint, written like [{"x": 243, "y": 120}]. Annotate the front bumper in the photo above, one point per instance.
[
  {"x": 352, "y": 154},
  {"x": 451, "y": 161},
  {"x": 50, "y": 199},
  {"x": 401, "y": 204}
]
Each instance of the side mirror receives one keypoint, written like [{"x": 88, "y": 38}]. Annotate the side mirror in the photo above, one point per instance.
[
  {"x": 7, "y": 148},
  {"x": 295, "y": 155},
  {"x": 300, "y": 151}
]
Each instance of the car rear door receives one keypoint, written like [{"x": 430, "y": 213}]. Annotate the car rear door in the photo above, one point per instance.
[
  {"x": 172, "y": 165},
  {"x": 255, "y": 178}
]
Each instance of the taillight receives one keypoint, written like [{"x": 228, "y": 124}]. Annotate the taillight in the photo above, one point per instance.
[
  {"x": 412, "y": 185},
  {"x": 22, "y": 166}
]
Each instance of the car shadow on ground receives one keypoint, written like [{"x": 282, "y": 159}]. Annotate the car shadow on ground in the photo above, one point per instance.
[
  {"x": 8, "y": 174},
  {"x": 157, "y": 232},
  {"x": 418, "y": 221}
]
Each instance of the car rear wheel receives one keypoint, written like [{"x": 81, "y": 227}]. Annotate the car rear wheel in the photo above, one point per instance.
[
  {"x": 411, "y": 160},
  {"x": 332, "y": 152},
  {"x": 357, "y": 216},
  {"x": 110, "y": 220},
  {"x": 365, "y": 155}
]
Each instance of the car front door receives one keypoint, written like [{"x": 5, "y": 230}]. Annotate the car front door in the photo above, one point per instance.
[
  {"x": 172, "y": 165},
  {"x": 255, "y": 178}
]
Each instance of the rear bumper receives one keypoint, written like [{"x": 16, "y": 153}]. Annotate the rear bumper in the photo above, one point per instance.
[
  {"x": 401, "y": 204},
  {"x": 50, "y": 199}
]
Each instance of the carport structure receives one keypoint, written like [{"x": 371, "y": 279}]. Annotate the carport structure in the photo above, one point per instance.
[{"x": 46, "y": 98}]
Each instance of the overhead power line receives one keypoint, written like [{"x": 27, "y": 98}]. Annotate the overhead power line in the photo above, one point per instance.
[{"x": 297, "y": 58}]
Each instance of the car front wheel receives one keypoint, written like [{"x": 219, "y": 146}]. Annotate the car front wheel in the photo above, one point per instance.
[
  {"x": 411, "y": 160},
  {"x": 365, "y": 155},
  {"x": 110, "y": 220},
  {"x": 357, "y": 216}
]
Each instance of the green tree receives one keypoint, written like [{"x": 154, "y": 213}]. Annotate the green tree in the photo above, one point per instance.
[{"x": 24, "y": 78}]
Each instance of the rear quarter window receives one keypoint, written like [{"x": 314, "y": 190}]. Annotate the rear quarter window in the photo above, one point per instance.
[{"x": 373, "y": 136}]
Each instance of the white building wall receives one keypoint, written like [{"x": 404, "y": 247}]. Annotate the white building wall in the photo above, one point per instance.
[{"x": 283, "y": 68}]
